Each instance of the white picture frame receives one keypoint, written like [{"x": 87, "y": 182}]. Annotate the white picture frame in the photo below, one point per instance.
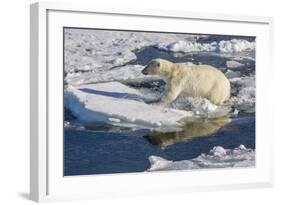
[{"x": 46, "y": 179}]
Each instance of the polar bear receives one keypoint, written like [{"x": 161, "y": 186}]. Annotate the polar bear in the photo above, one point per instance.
[{"x": 190, "y": 80}]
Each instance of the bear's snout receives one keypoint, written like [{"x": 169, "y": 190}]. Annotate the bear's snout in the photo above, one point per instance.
[{"x": 145, "y": 71}]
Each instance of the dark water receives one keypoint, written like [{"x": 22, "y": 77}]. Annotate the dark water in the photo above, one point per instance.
[
  {"x": 98, "y": 152},
  {"x": 101, "y": 150}
]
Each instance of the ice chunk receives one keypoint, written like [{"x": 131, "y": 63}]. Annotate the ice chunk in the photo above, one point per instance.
[
  {"x": 114, "y": 119},
  {"x": 236, "y": 45},
  {"x": 158, "y": 162},
  {"x": 201, "y": 107},
  {"x": 232, "y": 74},
  {"x": 218, "y": 157},
  {"x": 235, "y": 112},
  {"x": 248, "y": 81},
  {"x": 233, "y": 64},
  {"x": 245, "y": 98},
  {"x": 229, "y": 46},
  {"x": 218, "y": 151},
  {"x": 187, "y": 46}
]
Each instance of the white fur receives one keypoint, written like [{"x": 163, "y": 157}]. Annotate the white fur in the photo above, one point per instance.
[{"x": 190, "y": 80}]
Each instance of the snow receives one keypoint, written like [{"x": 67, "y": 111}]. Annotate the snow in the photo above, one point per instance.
[
  {"x": 100, "y": 50},
  {"x": 92, "y": 53},
  {"x": 187, "y": 46},
  {"x": 230, "y": 46},
  {"x": 218, "y": 157},
  {"x": 126, "y": 72},
  {"x": 236, "y": 45},
  {"x": 117, "y": 104}
]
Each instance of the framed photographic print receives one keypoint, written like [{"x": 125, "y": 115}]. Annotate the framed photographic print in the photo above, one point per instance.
[{"x": 127, "y": 102}]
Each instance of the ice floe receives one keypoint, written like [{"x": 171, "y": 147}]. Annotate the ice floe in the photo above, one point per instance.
[
  {"x": 218, "y": 157},
  {"x": 117, "y": 104}
]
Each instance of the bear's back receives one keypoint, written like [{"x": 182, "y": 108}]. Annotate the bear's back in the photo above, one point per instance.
[{"x": 206, "y": 81}]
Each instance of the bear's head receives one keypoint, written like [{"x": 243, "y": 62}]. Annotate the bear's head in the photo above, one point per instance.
[{"x": 158, "y": 67}]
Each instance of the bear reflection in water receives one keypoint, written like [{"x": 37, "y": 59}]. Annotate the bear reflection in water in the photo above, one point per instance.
[{"x": 198, "y": 128}]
